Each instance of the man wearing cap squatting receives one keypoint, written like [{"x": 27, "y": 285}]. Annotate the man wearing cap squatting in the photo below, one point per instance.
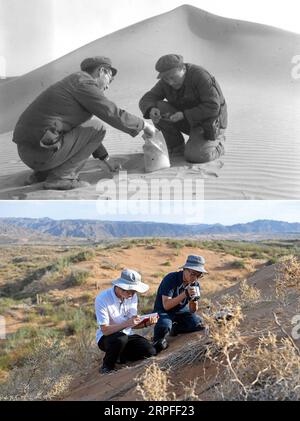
[
  {"x": 55, "y": 135},
  {"x": 176, "y": 302},
  {"x": 116, "y": 311},
  {"x": 187, "y": 99}
]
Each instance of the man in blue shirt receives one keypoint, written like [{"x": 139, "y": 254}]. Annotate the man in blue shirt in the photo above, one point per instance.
[{"x": 177, "y": 301}]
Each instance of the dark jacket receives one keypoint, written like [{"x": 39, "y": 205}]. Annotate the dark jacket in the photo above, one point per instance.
[
  {"x": 69, "y": 103},
  {"x": 200, "y": 98}
]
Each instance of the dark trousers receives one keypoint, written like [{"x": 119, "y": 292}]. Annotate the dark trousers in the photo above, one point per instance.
[
  {"x": 120, "y": 346},
  {"x": 185, "y": 322},
  {"x": 77, "y": 146},
  {"x": 197, "y": 149}
]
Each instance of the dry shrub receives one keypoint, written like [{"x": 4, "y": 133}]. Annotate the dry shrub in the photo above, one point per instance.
[
  {"x": 287, "y": 276},
  {"x": 44, "y": 376},
  {"x": 268, "y": 372},
  {"x": 249, "y": 294},
  {"x": 190, "y": 391},
  {"x": 224, "y": 333},
  {"x": 153, "y": 384},
  {"x": 48, "y": 372}
]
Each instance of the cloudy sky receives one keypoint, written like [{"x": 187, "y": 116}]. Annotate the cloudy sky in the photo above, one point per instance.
[
  {"x": 35, "y": 32},
  {"x": 210, "y": 211}
]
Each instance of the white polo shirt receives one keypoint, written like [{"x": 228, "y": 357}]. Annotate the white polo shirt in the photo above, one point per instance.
[{"x": 111, "y": 310}]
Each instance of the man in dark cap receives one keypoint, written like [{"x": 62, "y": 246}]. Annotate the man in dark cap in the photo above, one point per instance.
[
  {"x": 55, "y": 134},
  {"x": 187, "y": 99},
  {"x": 177, "y": 302}
]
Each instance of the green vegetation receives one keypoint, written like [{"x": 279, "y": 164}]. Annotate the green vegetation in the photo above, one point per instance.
[
  {"x": 83, "y": 256},
  {"x": 238, "y": 264},
  {"x": 109, "y": 265},
  {"x": 167, "y": 263},
  {"x": 146, "y": 303},
  {"x": 77, "y": 277},
  {"x": 67, "y": 319}
]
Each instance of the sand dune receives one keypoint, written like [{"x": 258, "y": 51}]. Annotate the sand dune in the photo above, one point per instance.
[{"x": 252, "y": 62}]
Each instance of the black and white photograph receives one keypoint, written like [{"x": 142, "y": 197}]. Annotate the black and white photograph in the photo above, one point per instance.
[{"x": 116, "y": 101}]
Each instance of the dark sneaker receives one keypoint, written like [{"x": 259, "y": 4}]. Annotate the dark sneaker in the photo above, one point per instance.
[
  {"x": 173, "y": 331},
  {"x": 65, "y": 184},
  {"x": 35, "y": 177},
  {"x": 200, "y": 327},
  {"x": 160, "y": 345},
  {"x": 106, "y": 370}
]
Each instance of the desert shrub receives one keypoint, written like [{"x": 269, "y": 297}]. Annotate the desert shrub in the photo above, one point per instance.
[
  {"x": 107, "y": 265},
  {"x": 192, "y": 244},
  {"x": 238, "y": 264},
  {"x": 190, "y": 391},
  {"x": 223, "y": 333},
  {"x": 167, "y": 263},
  {"x": 160, "y": 275},
  {"x": 6, "y": 303},
  {"x": 83, "y": 256},
  {"x": 146, "y": 303},
  {"x": 268, "y": 372},
  {"x": 51, "y": 361},
  {"x": 19, "y": 345},
  {"x": 287, "y": 276},
  {"x": 153, "y": 384},
  {"x": 61, "y": 264},
  {"x": 20, "y": 259},
  {"x": 272, "y": 261},
  {"x": 249, "y": 294},
  {"x": 150, "y": 247},
  {"x": 77, "y": 277},
  {"x": 175, "y": 244}
]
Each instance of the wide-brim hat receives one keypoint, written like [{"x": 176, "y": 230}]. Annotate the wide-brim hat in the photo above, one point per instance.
[
  {"x": 98, "y": 61},
  {"x": 195, "y": 263},
  {"x": 130, "y": 280}
]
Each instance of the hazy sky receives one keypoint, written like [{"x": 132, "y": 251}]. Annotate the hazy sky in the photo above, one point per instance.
[
  {"x": 209, "y": 211},
  {"x": 35, "y": 32}
]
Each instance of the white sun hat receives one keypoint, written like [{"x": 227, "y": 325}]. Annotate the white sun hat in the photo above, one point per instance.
[{"x": 130, "y": 280}]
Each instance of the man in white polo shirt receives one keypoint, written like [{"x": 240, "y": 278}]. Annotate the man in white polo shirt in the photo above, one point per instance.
[{"x": 116, "y": 311}]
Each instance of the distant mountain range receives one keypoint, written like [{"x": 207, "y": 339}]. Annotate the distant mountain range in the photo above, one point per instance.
[{"x": 46, "y": 229}]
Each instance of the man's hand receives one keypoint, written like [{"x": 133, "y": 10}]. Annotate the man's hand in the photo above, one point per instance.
[
  {"x": 112, "y": 164},
  {"x": 191, "y": 291},
  {"x": 155, "y": 115},
  {"x": 177, "y": 117},
  {"x": 134, "y": 321},
  {"x": 152, "y": 320},
  {"x": 149, "y": 129}
]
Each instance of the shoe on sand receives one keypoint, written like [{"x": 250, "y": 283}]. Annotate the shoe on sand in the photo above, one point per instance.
[
  {"x": 160, "y": 345},
  {"x": 106, "y": 370},
  {"x": 35, "y": 177},
  {"x": 65, "y": 184},
  {"x": 173, "y": 331}
]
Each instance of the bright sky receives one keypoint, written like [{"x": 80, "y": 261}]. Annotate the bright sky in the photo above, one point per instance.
[
  {"x": 208, "y": 212},
  {"x": 35, "y": 32}
]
